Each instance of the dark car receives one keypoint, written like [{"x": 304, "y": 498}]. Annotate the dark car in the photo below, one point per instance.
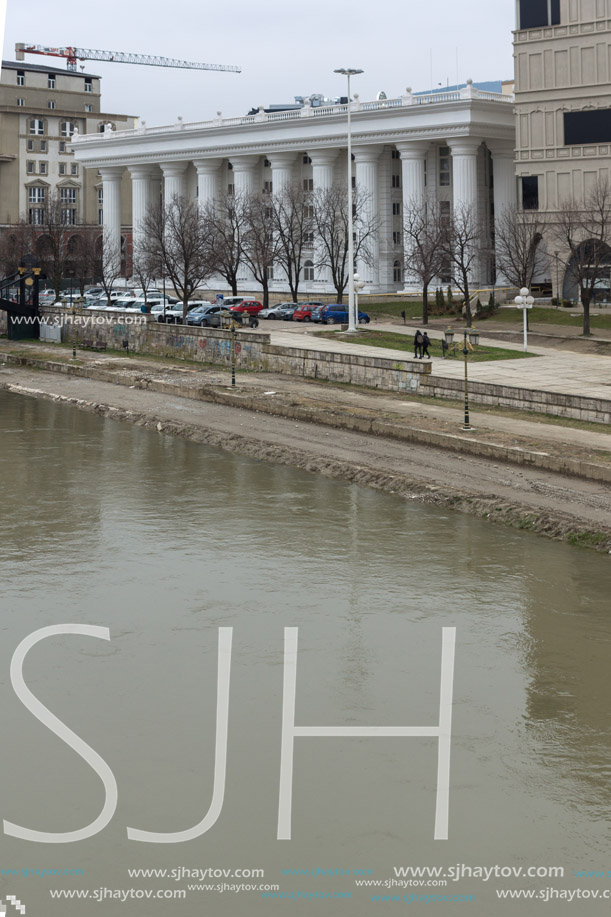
[
  {"x": 317, "y": 313},
  {"x": 337, "y": 314},
  {"x": 303, "y": 312}
]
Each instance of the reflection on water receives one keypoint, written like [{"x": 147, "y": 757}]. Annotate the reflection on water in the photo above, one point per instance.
[{"x": 164, "y": 541}]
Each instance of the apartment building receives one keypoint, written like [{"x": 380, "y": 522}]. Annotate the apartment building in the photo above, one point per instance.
[{"x": 40, "y": 109}]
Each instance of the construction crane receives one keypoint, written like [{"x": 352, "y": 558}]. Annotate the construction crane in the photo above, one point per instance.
[{"x": 73, "y": 55}]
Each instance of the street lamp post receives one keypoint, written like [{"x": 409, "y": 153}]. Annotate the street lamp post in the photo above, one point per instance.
[
  {"x": 348, "y": 72},
  {"x": 525, "y": 302},
  {"x": 358, "y": 286},
  {"x": 474, "y": 341},
  {"x": 557, "y": 257}
]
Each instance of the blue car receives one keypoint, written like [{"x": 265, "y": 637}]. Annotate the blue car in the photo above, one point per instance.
[{"x": 336, "y": 314}]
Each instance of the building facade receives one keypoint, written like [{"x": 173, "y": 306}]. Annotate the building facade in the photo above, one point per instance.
[
  {"x": 40, "y": 110},
  {"x": 454, "y": 147},
  {"x": 562, "y": 51}
]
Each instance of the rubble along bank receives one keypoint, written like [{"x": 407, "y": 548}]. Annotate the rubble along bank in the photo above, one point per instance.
[{"x": 541, "y": 509}]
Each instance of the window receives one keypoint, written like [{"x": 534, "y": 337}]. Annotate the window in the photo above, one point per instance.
[
  {"x": 396, "y": 154},
  {"x": 35, "y": 216},
  {"x": 396, "y": 238},
  {"x": 266, "y": 164},
  {"x": 88, "y": 84},
  {"x": 445, "y": 167},
  {"x": 67, "y": 128},
  {"x": 62, "y": 146},
  {"x": 396, "y": 209},
  {"x": 88, "y": 107},
  {"x": 396, "y": 181},
  {"x": 100, "y": 217},
  {"x": 36, "y": 195},
  {"x": 230, "y": 188},
  {"x": 308, "y": 184},
  {"x": 21, "y": 78},
  {"x": 230, "y": 165},
  {"x": 308, "y": 238},
  {"x": 307, "y": 160},
  {"x": 37, "y": 126},
  {"x": 308, "y": 270},
  {"x": 43, "y": 146},
  {"x": 30, "y": 168},
  {"x": 68, "y": 195},
  {"x": 21, "y": 103},
  {"x": 530, "y": 192},
  {"x": 42, "y": 168},
  {"x": 583, "y": 127},
  {"x": 68, "y": 216},
  {"x": 397, "y": 272},
  {"x": 50, "y": 104},
  {"x": 51, "y": 81},
  {"x": 62, "y": 168},
  {"x": 537, "y": 13},
  {"x": 267, "y": 187},
  {"x": 444, "y": 211},
  {"x": 30, "y": 146},
  {"x": 270, "y": 272},
  {"x": 74, "y": 169},
  {"x": 100, "y": 196}
]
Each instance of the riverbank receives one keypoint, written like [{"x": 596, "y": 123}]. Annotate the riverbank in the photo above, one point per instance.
[{"x": 545, "y": 478}]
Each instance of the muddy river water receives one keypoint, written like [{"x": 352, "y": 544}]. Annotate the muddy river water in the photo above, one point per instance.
[{"x": 169, "y": 545}]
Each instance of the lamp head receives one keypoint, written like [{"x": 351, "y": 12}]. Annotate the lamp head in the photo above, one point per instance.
[
  {"x": 524, "y": 291},
  {"x": 348, "y": 71}
]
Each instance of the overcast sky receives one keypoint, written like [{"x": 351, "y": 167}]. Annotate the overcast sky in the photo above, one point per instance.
[{"x": 284, "y": 49}]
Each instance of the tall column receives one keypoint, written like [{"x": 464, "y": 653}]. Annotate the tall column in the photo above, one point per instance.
[
  {"x": 173, "y": 180},
  {"x": 244, "y": 174},
  {"x": 282, "y": 170},
  {"x": 366, "y": 158},
  {"x": 111, "y": 190},
  {"x": 141, "y": 201},
  {"x": 207, "y": 181},
  {"x": 464, "y": 169},
  {"x": 323, "y": 166},
  {"x": 504, "y": 176},
  {"x": 413, "y": 160}
]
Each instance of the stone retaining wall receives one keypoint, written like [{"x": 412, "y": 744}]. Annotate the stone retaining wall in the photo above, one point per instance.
[{"x": 255, "y": 352}]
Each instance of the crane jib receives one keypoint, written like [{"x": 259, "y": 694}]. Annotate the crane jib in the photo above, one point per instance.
[{"x": 72, "y": 54}]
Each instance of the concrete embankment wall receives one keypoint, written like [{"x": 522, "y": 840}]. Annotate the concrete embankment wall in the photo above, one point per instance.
[{"x": 255, "y": 352}]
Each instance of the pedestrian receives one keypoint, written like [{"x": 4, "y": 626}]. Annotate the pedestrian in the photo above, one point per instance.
[
  {"x": 426, "y": 343},
  {"x": 418, "y": 342}
]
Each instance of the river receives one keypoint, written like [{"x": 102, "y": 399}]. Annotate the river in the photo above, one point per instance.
[{"x": 168, "y": 543}]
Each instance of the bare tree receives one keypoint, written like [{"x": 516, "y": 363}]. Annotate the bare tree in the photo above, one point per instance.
[
  {"x": 16, "y": 242},
  {"x": 108, "y": 265},
  {"x": 228, "y": 217},
  {"x": 582, "y": 233},
  {"x": 423, "y": 236},
  {"x": 178, "y": 237},
  {"x": 461, "y": 246},
  {"x": 293, "y": 214},
  {"x": 51, "y": 244},
  {"x": 261, "y": 242},
  {"x": 82, "y": 259},
  {"x": 145, "y": 268},
  {"x": 518, "y": 252},
  {"x": 330, "y": 218}
]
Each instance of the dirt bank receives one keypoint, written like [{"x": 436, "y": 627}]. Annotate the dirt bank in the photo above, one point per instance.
[{"x": 559, "y": 507}]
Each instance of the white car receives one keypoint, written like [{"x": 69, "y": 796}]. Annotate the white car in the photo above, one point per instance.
[{"x": 275, "y": 311}]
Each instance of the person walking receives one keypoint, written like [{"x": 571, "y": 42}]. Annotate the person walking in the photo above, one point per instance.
[
  {"x": 426, "y": 343},
  {"x": 418, "y": 342}
]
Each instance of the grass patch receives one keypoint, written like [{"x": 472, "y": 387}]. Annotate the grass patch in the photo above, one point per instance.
[
  {"x": 412, "y": 308},
  {"x": 394, "y": 341},
  {"x": 588, "y": 539},
  {"x": 540, "y": 316}
]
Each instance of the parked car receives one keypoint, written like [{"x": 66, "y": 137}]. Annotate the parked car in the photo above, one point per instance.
[
  {"x": 287, "y": 314},
  {"x": 173, "y": 312},
  {"x": 317, "y": 312},
  {"x": 203, "y": 314},
  {"x": 277, "y": 311},
  {"x": 303, "y": 312},
  {"x": 337, "y": 314},
  {"x": 250, "y": 306}
]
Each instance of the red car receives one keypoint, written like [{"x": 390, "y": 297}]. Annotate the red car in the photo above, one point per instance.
[
  {"x": 303, "y": 312},
  {"x": 250, "y": 306}
]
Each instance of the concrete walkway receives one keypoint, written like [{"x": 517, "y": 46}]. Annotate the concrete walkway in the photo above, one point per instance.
[{"x": 584, "y": 375}]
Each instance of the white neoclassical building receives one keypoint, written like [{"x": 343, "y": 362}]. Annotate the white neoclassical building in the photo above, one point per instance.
[{"x": 454, "y": 146}]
